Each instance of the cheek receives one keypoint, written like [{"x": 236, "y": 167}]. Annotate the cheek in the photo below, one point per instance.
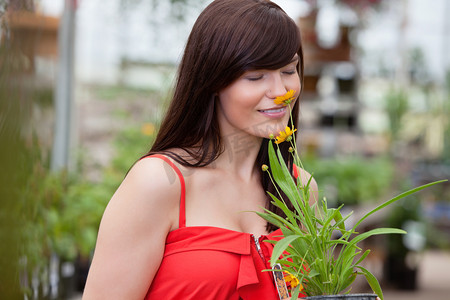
[
  {"x": 238, "y": 100},
  {"x": 295, "y": 85}
]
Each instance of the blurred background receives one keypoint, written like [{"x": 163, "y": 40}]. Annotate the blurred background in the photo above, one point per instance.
[{"x": 84, "y": 84}]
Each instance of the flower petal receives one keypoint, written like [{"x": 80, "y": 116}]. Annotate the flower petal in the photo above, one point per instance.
[{"x": 285, "y": 99}]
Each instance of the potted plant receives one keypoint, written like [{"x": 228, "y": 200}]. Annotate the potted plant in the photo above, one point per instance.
[{"x": 319, "y": 255}]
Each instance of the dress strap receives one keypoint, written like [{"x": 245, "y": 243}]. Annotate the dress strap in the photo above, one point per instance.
[{"x": 182, "y": 217}]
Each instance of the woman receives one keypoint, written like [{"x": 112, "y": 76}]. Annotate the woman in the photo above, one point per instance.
[{"x": 182, "y": 223}]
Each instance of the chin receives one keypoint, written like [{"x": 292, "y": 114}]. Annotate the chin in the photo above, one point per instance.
[{"x": 266, "y": 129}]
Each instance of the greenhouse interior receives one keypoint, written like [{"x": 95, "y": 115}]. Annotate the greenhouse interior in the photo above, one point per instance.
[{"x": 84, "y": 85}]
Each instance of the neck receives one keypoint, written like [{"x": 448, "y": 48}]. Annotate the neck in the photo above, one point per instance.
[{"x": 239, "y": 156}]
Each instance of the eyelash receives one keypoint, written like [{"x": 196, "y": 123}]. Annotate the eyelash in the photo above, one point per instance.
[
  {"x": 290, "y": 72},
  {"x": 255, "y": 78}
]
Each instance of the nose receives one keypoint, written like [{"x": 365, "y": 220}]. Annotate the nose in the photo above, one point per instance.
[{"x": 276, "y": 86}]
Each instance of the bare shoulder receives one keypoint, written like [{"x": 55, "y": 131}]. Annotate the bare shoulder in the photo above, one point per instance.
[
  {"x": 133, "y": 231},
  {"x": 154, "y": 175},
  {"x": 151, "y": 183}
]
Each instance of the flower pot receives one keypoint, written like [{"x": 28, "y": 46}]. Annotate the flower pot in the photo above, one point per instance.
[{"x": 344, "y": 297}]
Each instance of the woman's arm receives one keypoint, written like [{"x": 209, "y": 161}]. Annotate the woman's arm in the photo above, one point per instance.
[
  {"x": 305, "y": 177},
  {"x": 132, "y": 233}
]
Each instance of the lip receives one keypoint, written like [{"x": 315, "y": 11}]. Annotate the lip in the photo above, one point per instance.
[{"x": 274, "y": 112}]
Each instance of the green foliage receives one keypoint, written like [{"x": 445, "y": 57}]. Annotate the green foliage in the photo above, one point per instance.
[
  {"x": 20, "y": 160},
  {"x": 446, "y": 107},
  {"x": 352, "y": 180},
  {"x": 72, "y": 212},
  {"x": 130, "y": 145},
  {"x": 321, "y": 252},
  {"x": 404, "y": 210},
  {"x": 397, "y": 106},
  {"x": 116, "y": 92}
]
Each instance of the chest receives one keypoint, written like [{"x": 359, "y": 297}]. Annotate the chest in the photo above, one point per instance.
[{"x": 221, "y": 201}]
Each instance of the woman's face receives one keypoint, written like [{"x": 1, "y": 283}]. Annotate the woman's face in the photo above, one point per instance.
[{"x": 247, "y": 105}]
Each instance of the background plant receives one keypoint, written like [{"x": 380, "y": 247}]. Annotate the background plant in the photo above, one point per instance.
[{"x": 334, "y": 174}]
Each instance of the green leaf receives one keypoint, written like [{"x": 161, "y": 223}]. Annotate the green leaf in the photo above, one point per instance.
[
  {"x": 373, "y": 282},
  {"x": 279, "y": 203},
  {"x": 295, "y": 293},
  {"x": 375, "y": 231},
  {"x": 273, "y": 219},
  {"x": 283, "y": 177},
  {"x": 348, "y": 281},
  {"x": 332, "y": 242},
  {"x": 281, "y": 246},
  {"x": 339, "y": 219},
  {"x": 402, "y": 195},
  {"x": 332, "y": 215},
  {"x": 313, "y": 273},
  {"x": 363, "y": 257}
]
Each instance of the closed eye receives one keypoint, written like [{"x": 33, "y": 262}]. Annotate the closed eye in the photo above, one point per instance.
[
  {"x": 290, "y": 72},
  {"x": 254, "y": 78}
]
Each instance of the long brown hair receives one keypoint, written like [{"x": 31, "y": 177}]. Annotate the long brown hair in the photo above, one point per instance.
[{"x": 229, "y": 38}]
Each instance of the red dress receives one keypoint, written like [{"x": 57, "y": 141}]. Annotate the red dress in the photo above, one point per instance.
[{"x": 205, "y": 262}]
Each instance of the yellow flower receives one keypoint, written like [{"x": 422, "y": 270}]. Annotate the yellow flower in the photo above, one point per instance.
[
  {"x": 292, "y": 280},
  {"x": 285, "y": 134},
  {"x": 148, "y": 129},
  {"x": 286, "y": 98}
]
